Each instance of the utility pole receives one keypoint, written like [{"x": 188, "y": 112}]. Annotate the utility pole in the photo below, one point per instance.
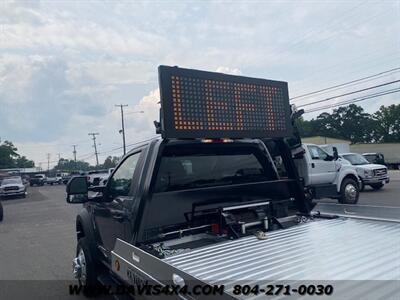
[
  {"x": 48, "y": 162},
  {"x": 95, "y": 146},
  {"x": 74, "y": 152},
  {"x": 123, "y": 125}
]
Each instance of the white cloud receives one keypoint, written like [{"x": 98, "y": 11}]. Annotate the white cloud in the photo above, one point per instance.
[{"x": 64, "y": 65}]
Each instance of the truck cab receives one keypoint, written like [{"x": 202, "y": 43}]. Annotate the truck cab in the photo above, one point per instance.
[
  {"x": 372, "y": 174},
  {"x": 169, "y": 188},
  {"x": 38, "y": 179},
  {"x": 322, "y": 175},
  {"x": 327, "y": 175}
]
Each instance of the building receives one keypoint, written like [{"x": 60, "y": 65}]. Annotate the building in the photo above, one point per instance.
[
  {"x": 323, "y": 140},
  {"x": 327, "y": 143}
]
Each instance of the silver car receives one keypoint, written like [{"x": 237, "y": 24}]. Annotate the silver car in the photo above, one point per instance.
[{"x": 12, "y": 187}]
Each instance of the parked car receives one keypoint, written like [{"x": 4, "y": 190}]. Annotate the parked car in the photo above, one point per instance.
[
  {"x": 374, "y": 175},
  {"x": 25, "y": 179},
  {"x": 375, "y": 158},
  {"x": 38, "y": 179},
  {"x": 57, "y": 179},
  {"x": 387, "y": 154},
  {"x": 65, "y": 178},
  {"x": 12, "y": 186},
  {"x": 98, "y": 176}
]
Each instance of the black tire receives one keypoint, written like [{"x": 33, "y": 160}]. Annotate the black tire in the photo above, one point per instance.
[
  {"x": 377, "y": 186},
  {"x": 90, "y": 284},
  {"x": 349, "y": 191},
  {"x": 1, "y": 212},
  {"x": 362, "y": 186}
]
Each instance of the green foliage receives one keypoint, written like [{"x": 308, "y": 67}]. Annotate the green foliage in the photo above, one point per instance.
[
  {"x": 110, "y": 162},
  {"x": 387, "y": 124},
  {"x": 353, "y": 124},
  {"x": 69, "y": 165},
  {"x": 9, "y": 158},
  {"x": 23, "y": 162}
]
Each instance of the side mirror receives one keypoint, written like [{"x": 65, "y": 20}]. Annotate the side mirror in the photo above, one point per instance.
[
  {"x": 335, "y": 153},
  {"x": 77, "y": 190}
]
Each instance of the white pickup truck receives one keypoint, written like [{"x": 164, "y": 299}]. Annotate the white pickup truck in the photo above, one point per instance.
[
  {"x": 374, "y": 175},
  {"x": 97, "y": 177},
  {"x": 325, "y": 175}
]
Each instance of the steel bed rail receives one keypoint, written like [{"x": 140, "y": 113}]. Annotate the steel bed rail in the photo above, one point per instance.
[{"x": 350, "y": 252}]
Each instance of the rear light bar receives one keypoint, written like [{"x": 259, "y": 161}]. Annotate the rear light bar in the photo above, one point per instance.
[{"x": 216, "y": 141}]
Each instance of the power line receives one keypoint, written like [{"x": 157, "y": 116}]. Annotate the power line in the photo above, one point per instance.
[
  {"x": 129, "y": 145},
  {"x": 345, "y": 84},
  {"x": 349, "y": 93},
  {"x": 354, "y": 100}
]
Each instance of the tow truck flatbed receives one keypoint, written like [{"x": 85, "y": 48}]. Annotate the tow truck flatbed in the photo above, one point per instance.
[{"x": 329, "y": 250}]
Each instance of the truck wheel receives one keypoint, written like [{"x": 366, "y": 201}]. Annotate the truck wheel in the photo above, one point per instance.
[
  {"x": 1, "y": 212},
  {"x": 84, "y": 268},
  {"x": 377, "y": 186},
  {"x": 362, "y": 186},
  {"x": 349, "y": 191}
]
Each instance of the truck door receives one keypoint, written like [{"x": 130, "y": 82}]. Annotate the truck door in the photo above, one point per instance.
[
  {"x": 112, "y": 217},
  {"x": 322, "y": 169}
]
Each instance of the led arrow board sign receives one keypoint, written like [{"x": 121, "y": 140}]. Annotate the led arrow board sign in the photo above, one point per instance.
[{"x": 199, "y": 104}]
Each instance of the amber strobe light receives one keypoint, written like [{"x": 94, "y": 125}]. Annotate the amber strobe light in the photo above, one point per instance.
[{"x": 198, "y": 104}]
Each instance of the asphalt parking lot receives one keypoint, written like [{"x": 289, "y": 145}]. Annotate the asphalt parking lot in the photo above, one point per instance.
[{"x": 38, "y": 236}]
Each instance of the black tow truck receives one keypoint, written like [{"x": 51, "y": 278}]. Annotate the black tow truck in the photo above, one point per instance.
[{"x": 203, "y": 206}]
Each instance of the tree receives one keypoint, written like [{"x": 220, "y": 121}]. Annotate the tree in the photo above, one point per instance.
[
  {"x": 352, "y": 123},
  {"x": 388, "y": 124},
  {"x": 23, "y": 162},
  {"x": 346, "y": 122},
  {"x": 110, "y": 162},
  {"x": 8, "y": 155},
  {"x": 69, "y": 165}
]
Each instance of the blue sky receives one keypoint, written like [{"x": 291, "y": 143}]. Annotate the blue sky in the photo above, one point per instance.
[{"x": 63, "y": 65}]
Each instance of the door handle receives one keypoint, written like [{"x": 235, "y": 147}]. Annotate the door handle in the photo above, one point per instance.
[{"x": 118, "y": 215}]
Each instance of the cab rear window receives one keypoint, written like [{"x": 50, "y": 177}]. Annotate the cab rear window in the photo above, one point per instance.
[{"x": 179, "y": 172}]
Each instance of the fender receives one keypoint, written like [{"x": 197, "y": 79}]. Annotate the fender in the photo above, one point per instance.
[
  {"x": 343, "y": 173},
  {"x": 84, "y": 228}
]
